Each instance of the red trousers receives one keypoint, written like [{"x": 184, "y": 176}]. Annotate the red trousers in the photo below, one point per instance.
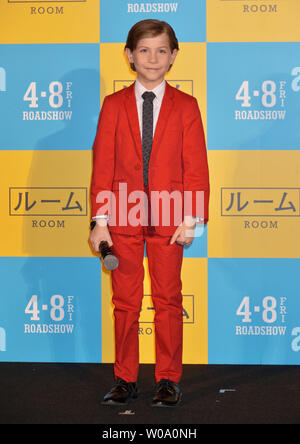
[{"x": 165, "y": 263}]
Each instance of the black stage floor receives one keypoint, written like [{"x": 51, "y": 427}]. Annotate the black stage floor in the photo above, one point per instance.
[{"x": 71, "y": 394}]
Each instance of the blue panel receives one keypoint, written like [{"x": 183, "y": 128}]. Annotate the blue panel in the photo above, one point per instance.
[
  {"x": 253, "y": 95},
  {"x": 49, "y": 96},
  {"x": 198, "y": 248},
  {"x": 50, "y": 309},
  {"x": 253, "y": 311}
]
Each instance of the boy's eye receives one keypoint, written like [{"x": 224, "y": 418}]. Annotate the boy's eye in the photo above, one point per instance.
[{"x": 162, "y": 51}]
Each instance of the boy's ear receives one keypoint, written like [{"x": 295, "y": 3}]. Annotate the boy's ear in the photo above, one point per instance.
[
  {"x": 129, "y": 55},
  {"x": 130, "y": 58},
  {"x": 173, "y": 57},
  {"x": 174, "y": 54}
]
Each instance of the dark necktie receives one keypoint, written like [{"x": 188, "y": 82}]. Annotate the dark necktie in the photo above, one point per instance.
[{"x": 147, "y": 136}]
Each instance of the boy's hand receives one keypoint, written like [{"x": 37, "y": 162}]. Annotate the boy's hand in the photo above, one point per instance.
[
  {"x": 184, "y": 234},
  {"x": 100, "y": 233}
]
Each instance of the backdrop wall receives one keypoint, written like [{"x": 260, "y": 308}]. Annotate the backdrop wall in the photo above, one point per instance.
[{"x": 240, "y": 59}]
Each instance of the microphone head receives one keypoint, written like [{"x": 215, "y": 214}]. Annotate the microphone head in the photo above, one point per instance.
[{"x": 110, "y": 262}]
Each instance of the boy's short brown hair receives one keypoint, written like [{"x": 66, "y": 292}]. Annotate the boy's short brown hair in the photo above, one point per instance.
[{"x": 150, "y": 28}]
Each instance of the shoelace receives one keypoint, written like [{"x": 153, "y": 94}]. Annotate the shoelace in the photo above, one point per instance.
[
  {"x": 167, "y": 384},
  {"x": 126, "y": 385}
]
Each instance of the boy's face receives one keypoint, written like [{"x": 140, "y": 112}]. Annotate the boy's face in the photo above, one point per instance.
[{"x": 152, "y": 59}]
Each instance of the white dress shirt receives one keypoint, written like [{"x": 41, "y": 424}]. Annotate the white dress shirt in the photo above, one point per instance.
[{"x": 159, "y": 91}]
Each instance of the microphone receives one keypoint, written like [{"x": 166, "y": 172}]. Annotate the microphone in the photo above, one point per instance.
[{"x": 110, "y": 261}]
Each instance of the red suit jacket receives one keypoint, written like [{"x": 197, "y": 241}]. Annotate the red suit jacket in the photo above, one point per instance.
[{"x": 178, "y": 162}]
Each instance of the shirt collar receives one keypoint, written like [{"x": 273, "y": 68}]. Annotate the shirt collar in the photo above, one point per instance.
[{"x": 159, "y": 90}]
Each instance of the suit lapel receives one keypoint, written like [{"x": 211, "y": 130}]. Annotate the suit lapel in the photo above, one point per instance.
[
  {"x": 165, "y": 110},
  {"x": 133, "y": 118},
  {"x": 164, "y": 113}
]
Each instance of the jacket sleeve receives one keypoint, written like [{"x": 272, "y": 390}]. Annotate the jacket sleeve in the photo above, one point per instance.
[
  {"x": 103, "y": 160},
  {"x": 195, "y": 164}
]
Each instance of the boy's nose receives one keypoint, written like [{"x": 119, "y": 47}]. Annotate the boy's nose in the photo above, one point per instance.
[{"x": 153, "y": 57}]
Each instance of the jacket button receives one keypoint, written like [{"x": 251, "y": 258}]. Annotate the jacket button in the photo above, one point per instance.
[{"x": 137, "y": 167}]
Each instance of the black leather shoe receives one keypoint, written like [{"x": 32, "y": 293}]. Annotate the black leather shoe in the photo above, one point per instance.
[
  {"x": 121, "y": 393},
  {"x": 167, "y": 394}
]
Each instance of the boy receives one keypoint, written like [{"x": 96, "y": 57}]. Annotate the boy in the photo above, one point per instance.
[{"x": 149, "y": 139}]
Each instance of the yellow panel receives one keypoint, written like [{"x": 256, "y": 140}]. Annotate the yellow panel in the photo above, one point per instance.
[
  {"x": 253, "y": 21},
  {"x": 188, "y": 72},
  {"x": 45, "y": 196},
  {"x": 254, "y": 206},
  {"x": 194, "y": 283},
  {"x": 48, "y": 22}
]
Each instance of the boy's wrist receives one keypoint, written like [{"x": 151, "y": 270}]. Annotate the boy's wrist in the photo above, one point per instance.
[
  {"x": 192, "y": 220},
  {"x": 100, "y": 220}
]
